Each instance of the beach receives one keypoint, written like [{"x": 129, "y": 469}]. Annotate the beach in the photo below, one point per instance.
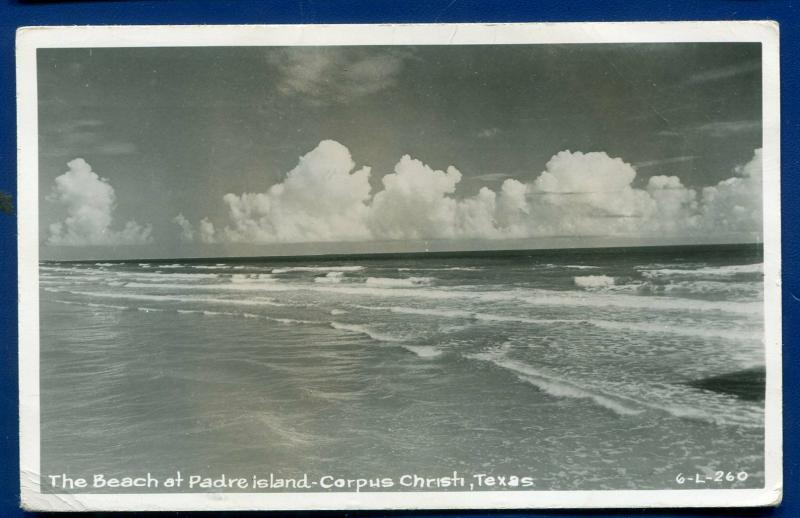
[{"x": 581, "y": 369}]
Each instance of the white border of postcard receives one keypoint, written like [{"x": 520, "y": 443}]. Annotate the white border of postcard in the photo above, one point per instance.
[{"x": 29, "y": 39}]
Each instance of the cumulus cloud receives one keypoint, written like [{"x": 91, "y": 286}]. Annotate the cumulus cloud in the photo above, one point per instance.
[
  {"x": 415, "y": 202},
  {"x": 321, "y": 199},
  {"x": 205, "y": 232},
  {"x": 734, "y": 205},
  {"x": 90, "y": 201},
  {"x": 187, "y": 229},
  {"x": 326, "y": 198}
]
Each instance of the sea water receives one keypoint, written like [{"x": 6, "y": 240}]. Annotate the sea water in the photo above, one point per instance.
[{"x": 577, "y": 368}]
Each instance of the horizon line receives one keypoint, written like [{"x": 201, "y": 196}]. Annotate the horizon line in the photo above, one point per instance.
[{"x": 387, "y": 255}]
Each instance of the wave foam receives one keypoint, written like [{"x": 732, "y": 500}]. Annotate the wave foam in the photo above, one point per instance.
[
  {"x": 641, "y": 327},
  {"x": 240, "y": 278},
  {"x": 289, "y": 269},
  {"x": 593, "y": 281},
  {"x": 150, "y": 310},
  {"x": 707, "y": 271},
  {"x": 389, "y": 282},
  {"x": 556, "y": 386},
  {"x": 359, "y": 329},
  {"x": 107, "y": 306},
  {"x": 168, "y": 298},
  {"x": 424, "y": 351},
  {"x": 446, "y": 268},
  {"x": 330, "y": 277}
]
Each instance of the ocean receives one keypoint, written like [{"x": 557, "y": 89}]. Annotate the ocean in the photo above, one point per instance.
[{"x": 581, "y": 369}]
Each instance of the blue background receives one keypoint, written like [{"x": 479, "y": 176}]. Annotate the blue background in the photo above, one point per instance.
[{"x": 16, "y": 13}]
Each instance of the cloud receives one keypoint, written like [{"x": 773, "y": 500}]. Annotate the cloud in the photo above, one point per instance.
[
  {"x": 321, "y": 75},
  {"x": 728, "y": 128},
  {"x": 320, "y": 200},
  {"x": 89, "y": 136},
  {"x": 488, "y": 133},
  {"x": 187, "y": 229},
  {"x": 326, "y": 198},
  {"x": 735, "y": 204},
  {"x": 489, "y": 177},
  {"x": 90, "y": 202},
  {"x": 728, "y": 72},
  {"x": 205, "y": 233},
  {"x": 665, "y": 161},
  {"x": 718, "y": 129}
]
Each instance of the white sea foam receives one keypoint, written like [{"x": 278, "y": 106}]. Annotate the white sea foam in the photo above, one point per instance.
[
  {"x": 551, "y": 266},
  {"x": 289, "y": 269},
  {"x": 748, "y": 289},
  {"x": 641, "y": 327},
  {"x": 338, "y": 312},
  {"x": 691, "y": 288},
  {"x": 532, "y": 297},
  {"x": 446, "y": 268},
  {"x": 150, "y": 310},
  {"x": 164, "y": 276},
  {"x": 355, "y": 328},
  {"x": 169, "y": 298},
  {"x": 713, "y": 408},
  {"x": 593, "y": 281},
  {"x": 424, "y": 351},
  {"x": 104, "y": 264},
  {"x": 462, "y": 314},
  {"x": 388, "y": 282},
  {"x": 144, "y": 265},
  {"x": 330, "y": 277},
  {"x": 672, "y": 329},
  {"x": 107, "y": 306},
  {"x": 556, "y": 386},
  {"x": 708, "y": 271},
  {"x": 241, "y": 278},
  {"x": 293, "y": 321},
  {"x": 246, "y": 315},
  {"x": 536, "y": 297}
]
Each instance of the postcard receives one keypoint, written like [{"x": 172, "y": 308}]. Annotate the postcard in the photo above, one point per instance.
[{"x": 470, "y": 266}]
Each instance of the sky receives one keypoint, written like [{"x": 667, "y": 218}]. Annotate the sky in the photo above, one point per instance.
[{"x": 227, "y": 151}]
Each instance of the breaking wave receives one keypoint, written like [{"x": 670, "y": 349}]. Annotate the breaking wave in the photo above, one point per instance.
[
  {"x": 593, "y": 281},
  {"x": 359, "y": 329},
  {"x": 707, "y": 271},
  {"x": 289, "y": 269},
  {"x": 554, "y": 385},
  {"x": 330, "y": 277},
  {"x": 389, "y": 282}
]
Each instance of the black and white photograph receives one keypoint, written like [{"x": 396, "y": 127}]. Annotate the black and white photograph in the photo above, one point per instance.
[{"x": 538, "y": 268}]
